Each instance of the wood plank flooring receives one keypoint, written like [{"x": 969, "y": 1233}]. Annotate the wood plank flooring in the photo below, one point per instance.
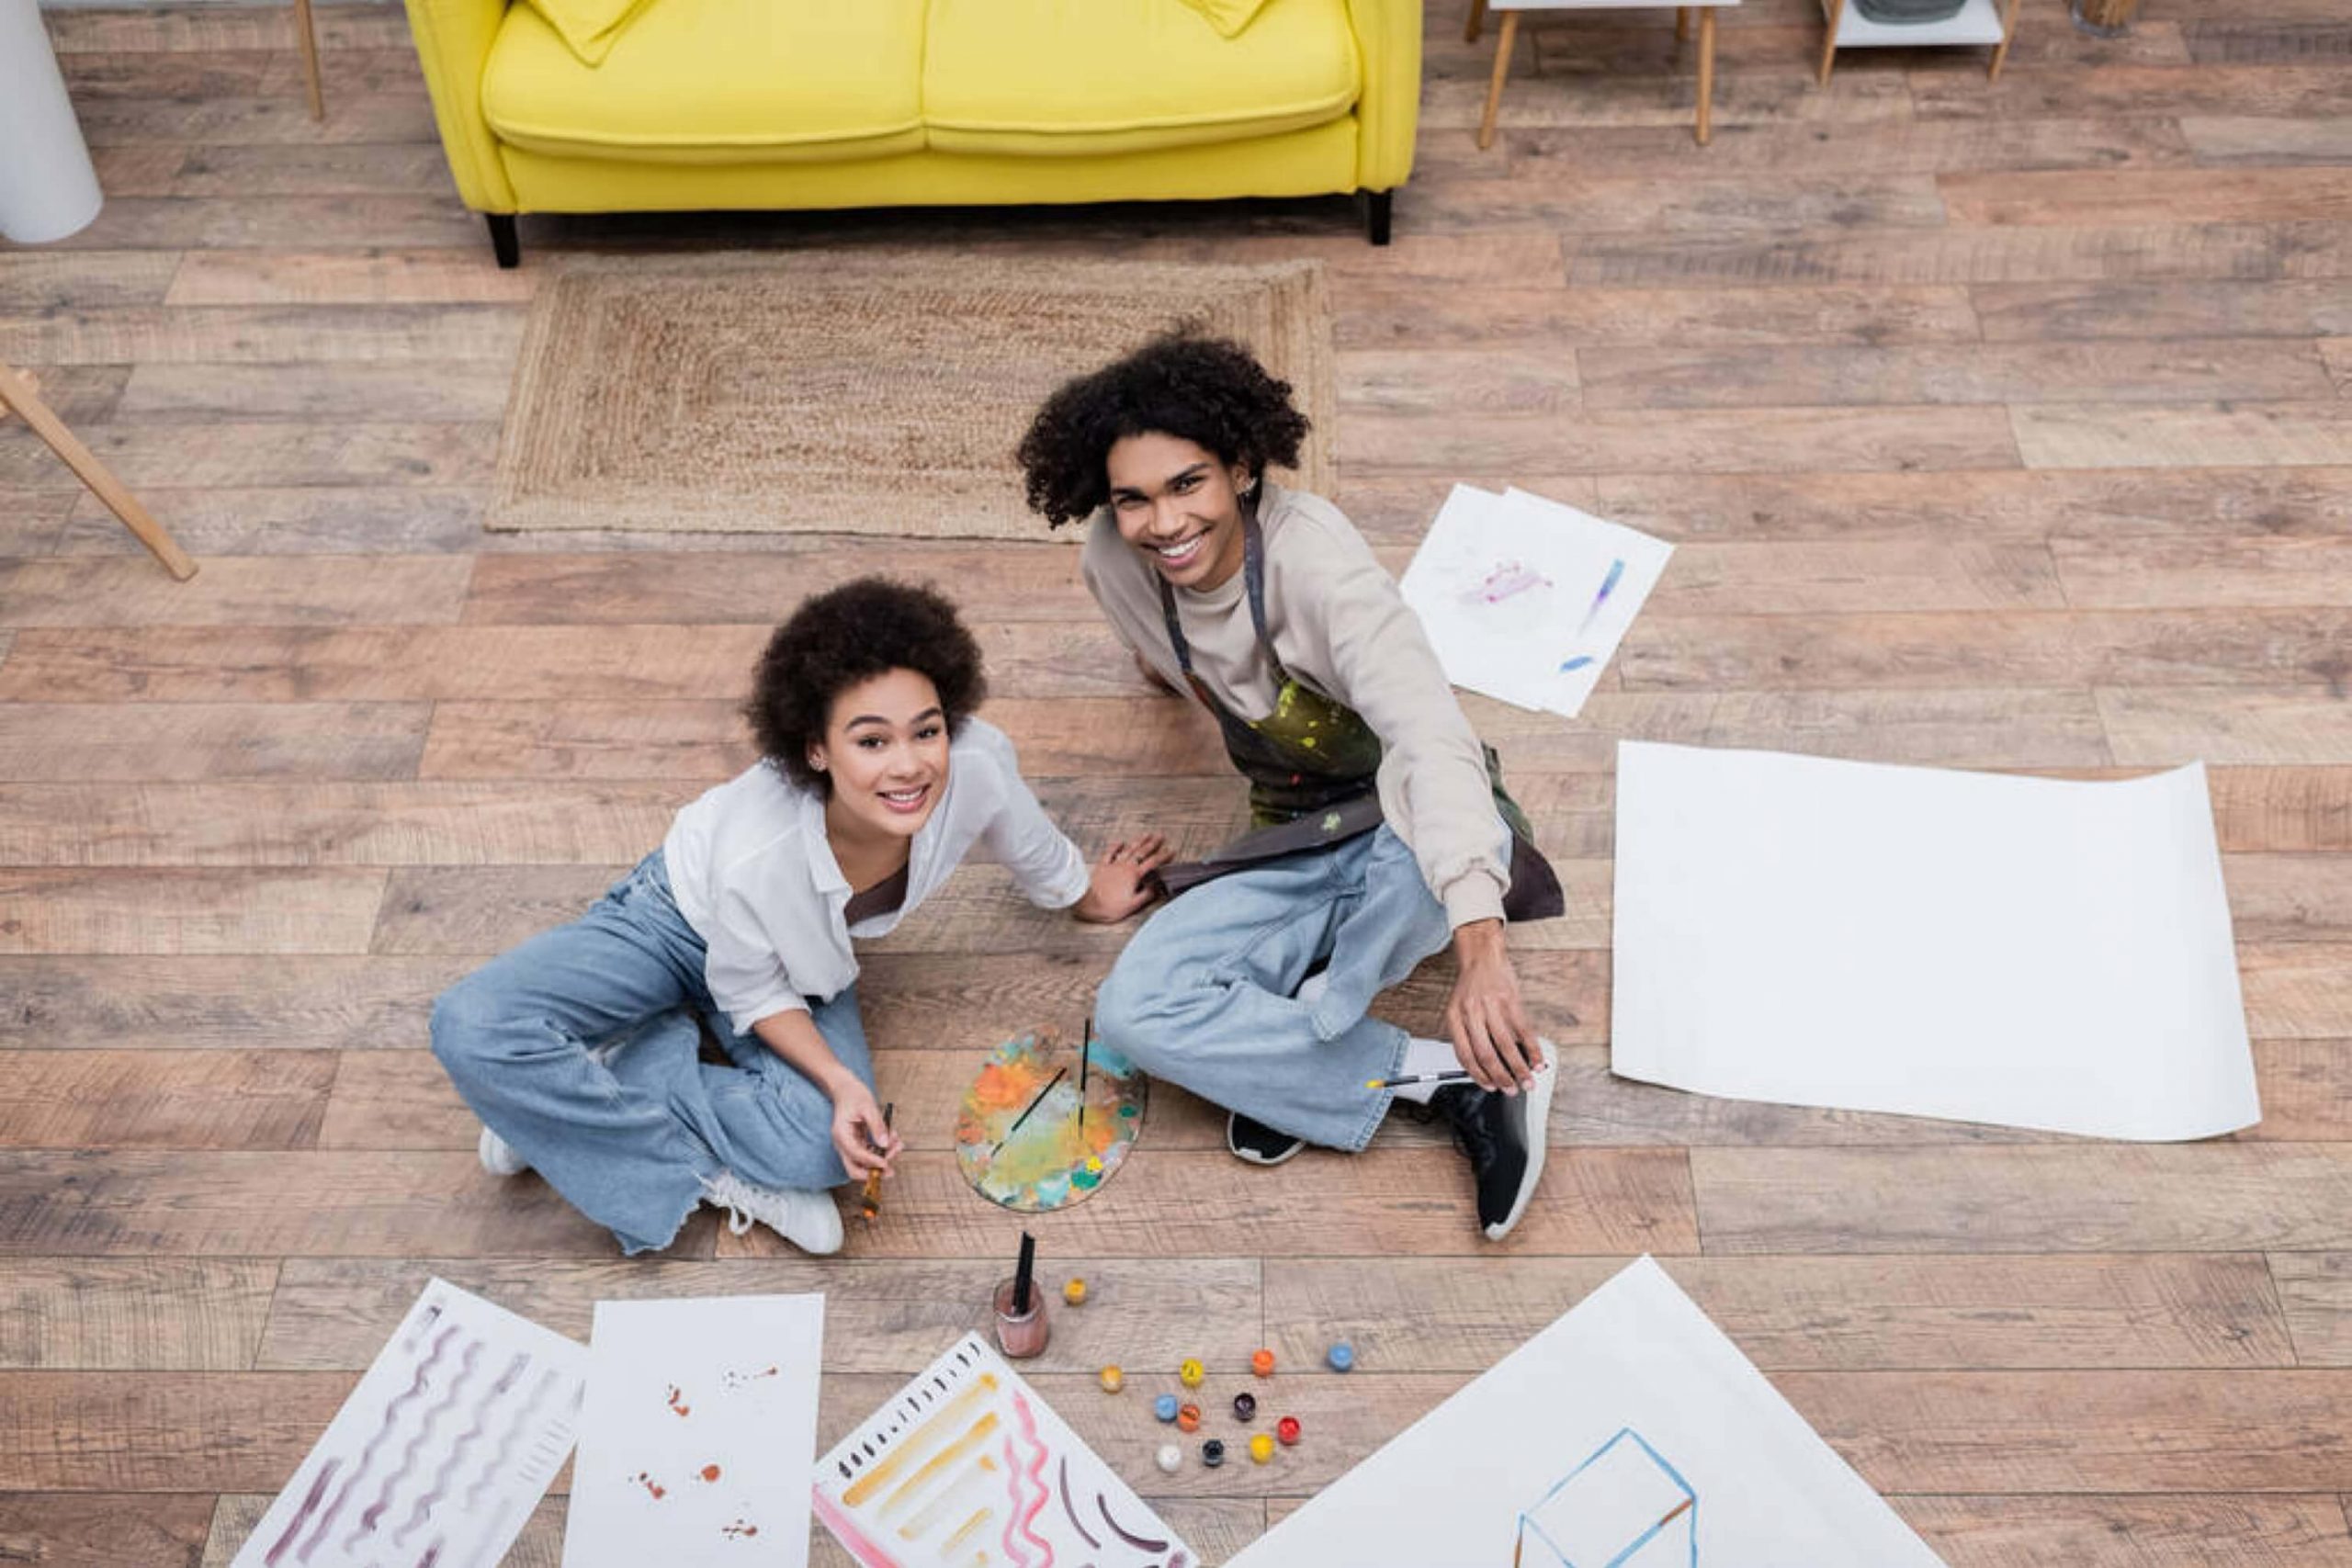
[{"x": 2002, "y": 425}]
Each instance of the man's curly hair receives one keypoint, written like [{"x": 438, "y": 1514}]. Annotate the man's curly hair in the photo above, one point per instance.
[
  {"x": 1208, "y": 391},
  {"x": 866, "y": 627}
]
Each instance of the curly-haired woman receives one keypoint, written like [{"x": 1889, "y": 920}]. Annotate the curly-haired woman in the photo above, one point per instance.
[
  {"x": 579, "y": 1050},
  {"x": 1383, "y": 830}
]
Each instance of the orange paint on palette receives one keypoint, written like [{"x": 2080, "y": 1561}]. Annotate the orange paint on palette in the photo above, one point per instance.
[
  {"x": 1003, "y": 1085},
  {"x": 678, "y": 1402},
  {"x": 709, "y": 1472},
  {"x": 655, "y": 1488}
]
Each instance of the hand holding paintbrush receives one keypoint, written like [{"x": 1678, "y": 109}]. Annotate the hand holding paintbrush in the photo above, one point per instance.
[{"x": 861, "y": 1133}]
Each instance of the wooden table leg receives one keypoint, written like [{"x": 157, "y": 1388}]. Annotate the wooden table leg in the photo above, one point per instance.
[
  {"x": 1508, "y": 35},
  {"x": 1829, "y": 45},
  {"x": 307, "y": 37},
  {"x": 1477, "y": 22},
  {"x": 2009, "y": 31},
  {"x": 1707, "y": 75},
  {"x": 16, "y": 393},
  {"x": 1682, "y": 22}
]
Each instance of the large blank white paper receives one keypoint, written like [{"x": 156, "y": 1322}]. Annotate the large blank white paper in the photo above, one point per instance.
[
  {"x": 441, "y": 1452},
  {"x": 1525, "y": 599},
  {"x": 2038, "y": 953},
  {"x": 1630, "y": 1434},
  {"x": 699, "y": 1429}
]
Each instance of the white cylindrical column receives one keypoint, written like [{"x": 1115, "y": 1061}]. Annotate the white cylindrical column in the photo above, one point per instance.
[{"x": 48, "y": 188}]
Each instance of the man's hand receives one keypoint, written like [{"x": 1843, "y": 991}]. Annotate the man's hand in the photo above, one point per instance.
[
  {"x": 1485, "y": 1017},
  {"x": 858, "y": 1132},
  {"x": 1121, "y": 883}
]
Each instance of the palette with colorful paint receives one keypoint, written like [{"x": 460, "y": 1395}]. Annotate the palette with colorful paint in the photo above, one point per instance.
[{"x": 1020, "y": 1141}]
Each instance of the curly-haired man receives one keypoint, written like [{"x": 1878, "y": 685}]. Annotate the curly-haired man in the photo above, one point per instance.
[{"x": 1383, "y": 830}]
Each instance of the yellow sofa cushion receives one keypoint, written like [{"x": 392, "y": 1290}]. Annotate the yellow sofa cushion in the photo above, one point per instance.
[
  {"x": 1228, "y": 17},
  {"x": 1090, "y": 77},
  {"x": 717, "y": 81}
]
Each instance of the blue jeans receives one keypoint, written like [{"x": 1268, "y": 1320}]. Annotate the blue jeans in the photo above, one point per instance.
[
  {"x": 1202, "y": 997},
  {"x": 629, "y": 1140}
]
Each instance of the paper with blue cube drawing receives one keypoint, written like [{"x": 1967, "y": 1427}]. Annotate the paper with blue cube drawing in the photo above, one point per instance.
[{"x": 1629, "y": 1434}]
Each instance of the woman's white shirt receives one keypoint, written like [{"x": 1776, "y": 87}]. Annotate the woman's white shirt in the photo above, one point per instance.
[{"x": 753, "y": 873}]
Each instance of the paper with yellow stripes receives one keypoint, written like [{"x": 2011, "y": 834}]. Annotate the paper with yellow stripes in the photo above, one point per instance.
[{"x": 967, "y": 1466}]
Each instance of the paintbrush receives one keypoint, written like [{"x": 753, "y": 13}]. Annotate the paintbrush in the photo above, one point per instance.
[
  {"x": 1059, "y": 1074},
  {"x": 870, "y": 1201},
  {"x": 1085, "y": 1042},
  {"x": 1021, "y": 1275}
]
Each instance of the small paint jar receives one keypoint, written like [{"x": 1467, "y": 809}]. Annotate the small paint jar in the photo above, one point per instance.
[
  {"x": 1112, "y": 1379},
  {"x": 1287, "y": 1430},
  {"x": 1164, "y": 1407},
  {"x": 1021, "y": 1335},
  {"x": 1262, "y": 1363},
  {"x": 1213, "y": 1452},
  {"x": 1190, "y": 1373},
  {"x": 1074, "y": 1291},
  {"x": 1245, "y": 1407},
  {"x": 1188, "y": 1419},
  {"x": 1171, "y": 1458},
  {"x": 1342, "y": 1357},
  {"x": 1261, "y": 1449}
]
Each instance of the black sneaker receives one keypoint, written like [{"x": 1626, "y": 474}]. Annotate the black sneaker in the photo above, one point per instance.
[
  {"x": 1502, "y": 1137},
  {"x": 1255, "y": 1142}
]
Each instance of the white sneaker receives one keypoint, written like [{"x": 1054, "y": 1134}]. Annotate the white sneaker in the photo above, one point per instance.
[
  {"x": 805, "y": 1219},
  {"x": 498, "y": 1155}
]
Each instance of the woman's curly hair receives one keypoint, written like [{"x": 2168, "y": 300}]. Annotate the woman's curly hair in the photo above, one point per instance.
[
  {"x": 1208, "y": 391},
  {"x": 866, "y": 627}
]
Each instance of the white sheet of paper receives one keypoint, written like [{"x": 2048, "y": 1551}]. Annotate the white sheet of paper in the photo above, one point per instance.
[
  {"x": 442, "y": 1452},
  {"x": 1629, "y": 1432},
  {"x": 967, "y": 1456},
  {"x": 1508, "y": 589},
  {"x": 2038, "y": 953},
  {"x": 695, "y": 1442}
]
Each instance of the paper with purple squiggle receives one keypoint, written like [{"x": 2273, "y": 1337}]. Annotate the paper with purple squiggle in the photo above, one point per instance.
[{"x": 441, "y": 1452}]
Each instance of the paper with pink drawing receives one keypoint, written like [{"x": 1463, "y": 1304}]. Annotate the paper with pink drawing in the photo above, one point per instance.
[
  {"x": 1525, "y": 599},
  {"x": 699, "y": 1426},
  {"x": 442, "y": 1452},
  {"x": 967, "y": 1464}
]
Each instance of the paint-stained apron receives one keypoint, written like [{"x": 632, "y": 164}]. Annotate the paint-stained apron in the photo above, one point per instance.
[{"x": 1313, "y": 765}]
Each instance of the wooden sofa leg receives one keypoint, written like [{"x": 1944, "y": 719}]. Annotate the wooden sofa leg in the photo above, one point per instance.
[
  {"x": 504, "y": 240},
  {"x": 1380, "y": 211}
]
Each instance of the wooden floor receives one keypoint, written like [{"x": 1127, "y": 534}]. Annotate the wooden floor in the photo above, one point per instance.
[{"x": 2001, "y": 426}]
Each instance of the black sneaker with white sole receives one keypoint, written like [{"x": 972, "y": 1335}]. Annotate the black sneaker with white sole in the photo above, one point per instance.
[
  {"x": 1251, "y": 1139},
  {"x": 1502, "y": 1137}
]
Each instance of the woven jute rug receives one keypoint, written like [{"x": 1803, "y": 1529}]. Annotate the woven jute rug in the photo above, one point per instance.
[{"x": 849, "y": 393}]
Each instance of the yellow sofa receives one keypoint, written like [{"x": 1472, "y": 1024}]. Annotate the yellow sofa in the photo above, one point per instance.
[{"x": 761, "y": 104}]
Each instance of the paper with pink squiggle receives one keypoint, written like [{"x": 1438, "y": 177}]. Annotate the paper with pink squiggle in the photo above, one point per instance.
[{"x": 966, "y": 1462}]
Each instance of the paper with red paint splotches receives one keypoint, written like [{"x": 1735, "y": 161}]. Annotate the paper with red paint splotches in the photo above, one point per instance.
[
  {"x": 700, "y": 1423},
  {"x": 442, "y": 1452},
  {"x": 967, "y": 1463}
]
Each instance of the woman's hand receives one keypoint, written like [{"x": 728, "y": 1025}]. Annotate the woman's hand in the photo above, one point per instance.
[
  {"x": 1120, "y": 883},
  {"x": 858, "y": 1132},
  {"x": 1485, "y": 1017}
]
